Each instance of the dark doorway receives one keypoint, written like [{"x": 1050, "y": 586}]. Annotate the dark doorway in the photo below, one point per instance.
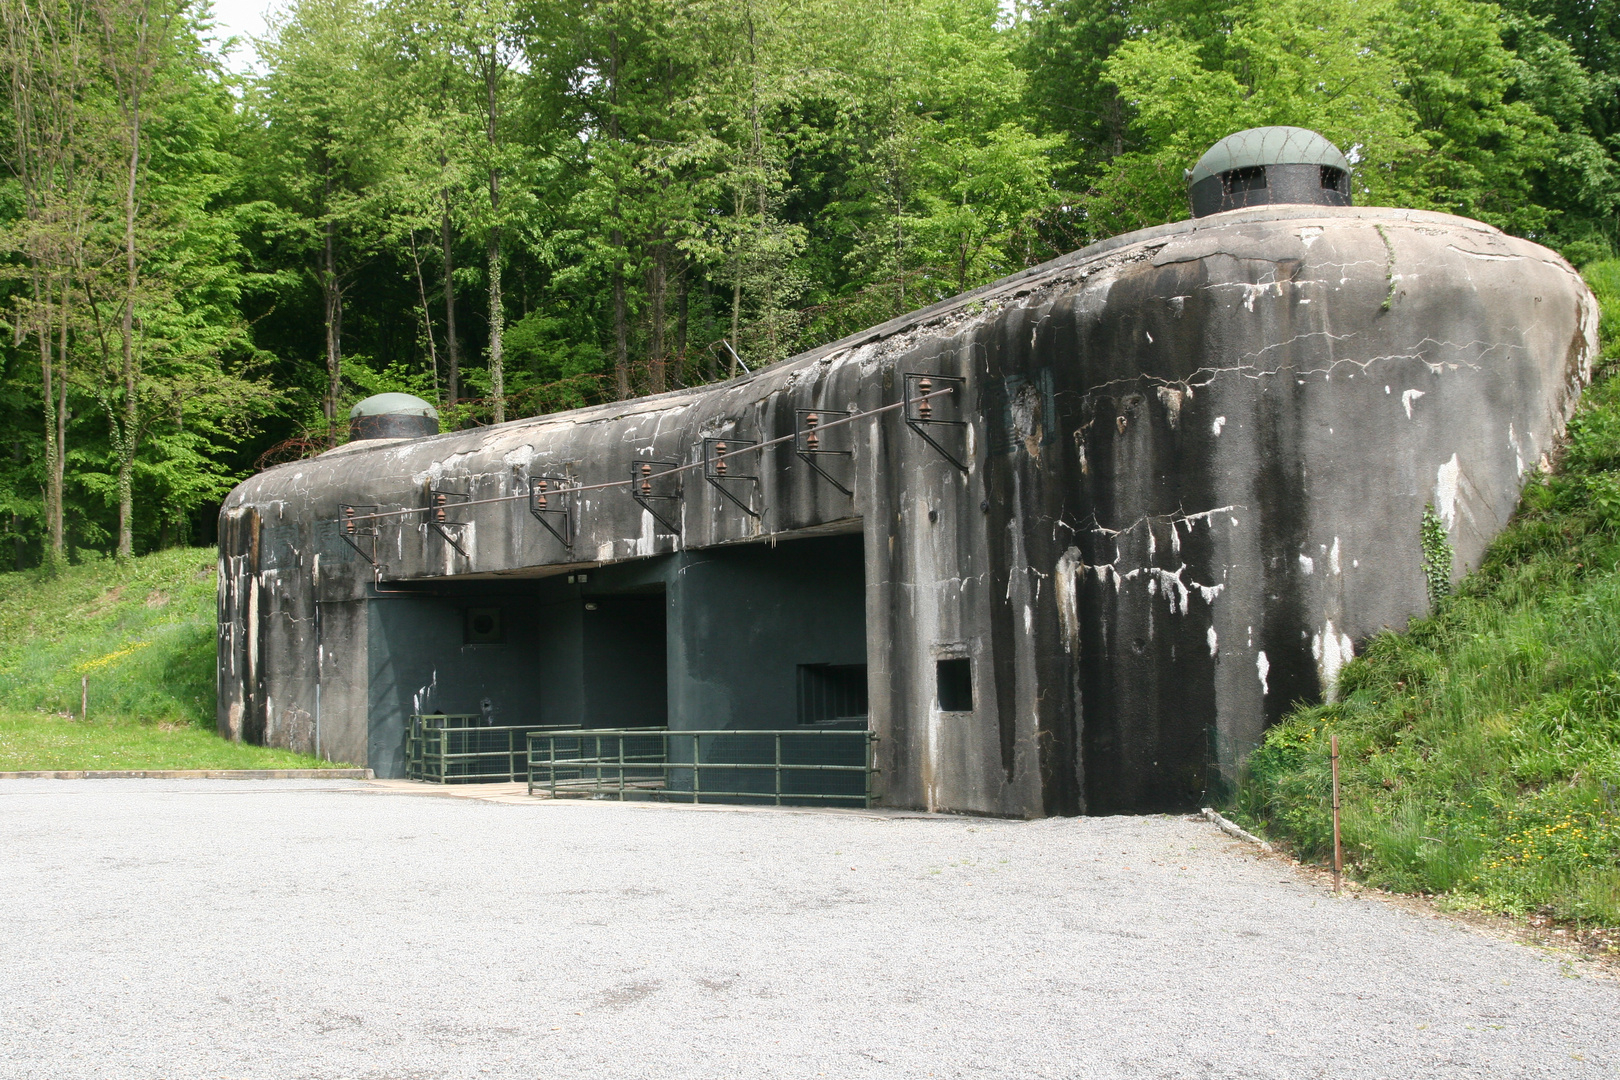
[{"x": 626, "y": 661}]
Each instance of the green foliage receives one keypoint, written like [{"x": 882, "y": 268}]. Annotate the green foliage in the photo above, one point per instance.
[
  {"x": 1480, "y": 749},
  {"x": 512, "y": 209},
  {"x": 1436, "y": 543}
]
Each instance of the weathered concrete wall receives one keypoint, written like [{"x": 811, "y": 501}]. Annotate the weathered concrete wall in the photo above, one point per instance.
[{"x": 1197, "y": 458}]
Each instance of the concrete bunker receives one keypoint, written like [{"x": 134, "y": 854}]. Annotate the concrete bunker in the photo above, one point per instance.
[{"x": 1068, "y": 542}]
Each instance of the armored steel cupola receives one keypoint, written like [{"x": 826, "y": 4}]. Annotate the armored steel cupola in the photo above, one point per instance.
[
  {"x": 1269, "y": 165},
  {"x": 392, "y": 416}
]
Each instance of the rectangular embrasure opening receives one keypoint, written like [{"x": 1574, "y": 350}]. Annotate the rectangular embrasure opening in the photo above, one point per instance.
[{"x": 953, "y": 684}]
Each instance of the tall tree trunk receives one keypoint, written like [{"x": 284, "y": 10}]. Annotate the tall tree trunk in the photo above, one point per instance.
[
  {"x": 655, "y": 339},
  {"x": 497, "y": 313},
  {"x": 682, "y": 288},
  {"x": 126, "y": 440},
  {"x": 427, "y": 318},
  {"x": 332, "y": 296},
  {"x": 48, "y": 375},
  {"x": 56, "y": 483},
  {"x": 621, "y": 323},
  {"x": 736, "y": 287},
  {"x": 621, "y": 319},
  {"x": 452, "y": 346},
  {"x": 497, "y": 321}
]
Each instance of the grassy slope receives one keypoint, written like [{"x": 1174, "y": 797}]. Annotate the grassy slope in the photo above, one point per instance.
[
  {"x": 143, "y": 635},
  {"x": 1480, "y": 750}
]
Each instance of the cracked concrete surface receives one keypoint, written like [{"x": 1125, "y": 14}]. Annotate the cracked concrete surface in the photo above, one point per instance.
[{"x": 331, "y": 931}]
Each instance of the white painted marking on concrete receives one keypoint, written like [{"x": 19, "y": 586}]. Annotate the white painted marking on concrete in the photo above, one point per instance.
[
  {"x": 1214, "y": 642},
  {"x": 1407, "y": 398},
  {"x": 1220, "y": 422},
  {"x": 1263, "y": 666}
]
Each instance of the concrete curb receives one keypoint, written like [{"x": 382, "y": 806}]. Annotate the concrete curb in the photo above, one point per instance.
[
  {"x": 1232, "y": 829},
  {"x": 191, "y": 774}
]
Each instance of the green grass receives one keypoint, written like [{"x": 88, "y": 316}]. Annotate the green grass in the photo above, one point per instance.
[
  {"x": 141, "y": 638},
  {"x": 33, "y": 741},
  {"x": 1480, "y": 749}
]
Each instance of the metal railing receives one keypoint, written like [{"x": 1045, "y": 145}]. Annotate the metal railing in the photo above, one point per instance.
[
  {"x": 458, "y": 748},
  {"x": 794, "y": 767}
]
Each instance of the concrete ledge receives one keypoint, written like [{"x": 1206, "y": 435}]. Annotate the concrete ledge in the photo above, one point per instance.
[{"x": 191, "y": 774}]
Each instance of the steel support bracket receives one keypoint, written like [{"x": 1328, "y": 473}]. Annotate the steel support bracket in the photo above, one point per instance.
[
  {"x": 644, "y": 472},
  {"x": 550, "y": 499},
  {"x": 717, "y": 469},
  {"x": 439, "y": 502},
  {"x": 920, "y": 394},
  {"x": 807, "y": 441},
  {"x": 352, "y": 531}
]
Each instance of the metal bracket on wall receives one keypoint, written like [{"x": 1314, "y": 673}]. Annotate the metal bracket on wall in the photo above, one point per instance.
[
  {"x": 353, "y": 531},
  {"x": 717, "y": 469},
  {"x": 549, "y": 498},
  {"x": 438, "y": 504},
  {"x": 920, "y": 408},
  {"x": 646, "y": 488},
  {"x": 808, "y": 441}
]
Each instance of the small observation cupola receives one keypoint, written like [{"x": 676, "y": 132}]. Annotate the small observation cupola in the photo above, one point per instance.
[
  {"x": 1269, "y": 165},
  {"x": 392, "y": 416}
]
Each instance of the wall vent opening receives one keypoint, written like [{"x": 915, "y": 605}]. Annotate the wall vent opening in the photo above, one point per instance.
[{"x": 829, "y": 693}]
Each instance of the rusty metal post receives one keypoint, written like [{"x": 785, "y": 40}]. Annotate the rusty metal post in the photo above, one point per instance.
[{"x": 1338, "y": 848}]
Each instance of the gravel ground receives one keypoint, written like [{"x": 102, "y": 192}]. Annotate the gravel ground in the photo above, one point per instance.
[{"x": 303, "y": 929}]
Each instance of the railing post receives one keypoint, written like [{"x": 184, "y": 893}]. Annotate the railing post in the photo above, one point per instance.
[
  {"x": 778, "y": 740},
  {"x": 871, "y": 765}
]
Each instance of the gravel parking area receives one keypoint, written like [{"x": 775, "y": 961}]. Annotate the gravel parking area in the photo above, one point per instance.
[{"x": 301, "y": 929}]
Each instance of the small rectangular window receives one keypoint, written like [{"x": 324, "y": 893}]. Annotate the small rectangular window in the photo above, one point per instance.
[
  {"x": 1335, "y": 179},
  {"x": 953, "y": 684}
]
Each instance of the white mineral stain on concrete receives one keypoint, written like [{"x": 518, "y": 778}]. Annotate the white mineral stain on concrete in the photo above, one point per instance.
[
  {"x": 1214, "y": 642},
  {"x": 1407, "y": 397},
  {"x": 1068, "y": 599},
  {"x": 1332, "y": 651},
  {"x": 1307, "y": 564},
  {"x": 1220, "y": 422},
  {"x": 1445, "y": 491},
  {"x": 1263, "y": 666},
  {"x": 1333, "y": 557}
]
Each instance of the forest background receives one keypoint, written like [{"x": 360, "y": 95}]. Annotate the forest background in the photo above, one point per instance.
[{"x": 510, "y": 207}]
